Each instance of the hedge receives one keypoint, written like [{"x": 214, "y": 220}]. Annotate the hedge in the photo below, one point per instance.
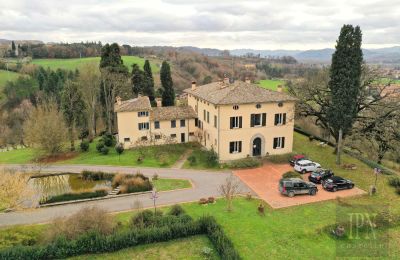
[
  {"x": 245, "y": 163},
  {"x": 94, "y": 242},
  {"x": 75, "y": 196}
]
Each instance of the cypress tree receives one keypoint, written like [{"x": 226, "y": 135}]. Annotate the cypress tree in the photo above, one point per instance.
[
  {"x": 137, "y": 78},
  {"x": 148, "y": 86},
  {"x": 345, "y": 82},
  {"x": 168, "y": 94}
]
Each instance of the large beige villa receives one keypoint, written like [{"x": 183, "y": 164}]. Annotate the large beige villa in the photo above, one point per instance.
[{"x": 236, "y": 119}]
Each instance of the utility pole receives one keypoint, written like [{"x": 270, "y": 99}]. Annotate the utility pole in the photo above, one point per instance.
[{"x": 339, "y": 146}]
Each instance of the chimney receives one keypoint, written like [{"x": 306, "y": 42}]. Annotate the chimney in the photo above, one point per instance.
[
  {"x": 193, "y": 85},
  {"x": 226, "y": 80},
  {"x": 158, "y": 102},
  {"x": 247, "y": 80},
  {"x": 279, "y": 88},
  {"x": 119, "y": 101}
]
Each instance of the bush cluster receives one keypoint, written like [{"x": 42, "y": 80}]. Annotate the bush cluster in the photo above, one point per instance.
[
  {"x": 280, "y": 158},
  {"x": 192, "y": 160},
  {"x": 149, "y": 218},
  {"x": 94, "y": 240},
  {"x": 84, "y": 146},
  {"x": 130, "y": 183},
  {"x": 212, "y": 158},
  {"x": 76, "y": 196},
  {"x": 245, "y": 163},
  {"x": 291, "y": 174},
  {"x": 96, "y": 175}
]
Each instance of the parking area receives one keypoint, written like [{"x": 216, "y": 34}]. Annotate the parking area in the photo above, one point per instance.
[{"x": 264, "y": 181}]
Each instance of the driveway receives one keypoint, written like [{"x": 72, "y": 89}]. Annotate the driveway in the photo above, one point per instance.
[
  {"x": 264, "y": 181},
  {"x": 206, "y": 184}
]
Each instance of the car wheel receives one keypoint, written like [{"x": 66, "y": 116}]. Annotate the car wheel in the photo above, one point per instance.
[
  {"x": 303, "y": 171},
  {"x": 334, "y": 189},
  {"x": 291, "y": 194},
  {"x": 313, "y": 192},
  {"x": 351, "y": 186}
]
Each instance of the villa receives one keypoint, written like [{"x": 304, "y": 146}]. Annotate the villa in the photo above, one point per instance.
[{"x": 235, "y": 119}]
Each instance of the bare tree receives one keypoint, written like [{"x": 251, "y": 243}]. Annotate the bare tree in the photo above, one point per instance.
[
  {"x": 89, "y": 84},
  {"x": 229, "y": 190},
  {"x": 15, "y": 191}
]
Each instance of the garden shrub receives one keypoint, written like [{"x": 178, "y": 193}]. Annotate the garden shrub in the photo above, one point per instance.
[
  {"x": 119, "y": 148},
  {"x": 108, "y": 140},
  {"x": 176, "y": 210},
  {"x": 104, "y": 150},
  {"x": 99, "y": 146},
  {"x": 291, "y": 174},
  {"x": 96, "y": 175},
  {"x": 211, "y": 200},
  {"x": 203, "y": 201},
  {"x": 212, "y": 158},
  {"x": 145, "y": 218},
  {"x": 280, "y": 158},
  {"x": 394, "y": 182},
  {"x": 130, "y": 183},
  {"x": 192, "y": 160},
  {"x": 245, "y": 163},
  {"x": 86, "y": 220},
  {"x": 84, "y": 146},
  {"x": 76, "y": 196}
]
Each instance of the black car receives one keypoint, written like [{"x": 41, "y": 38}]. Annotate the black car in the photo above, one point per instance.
[
  {"x": 335, "y": 183},
  {"x": 295, "y": 186},
  {"x": 319, "y": 175}
]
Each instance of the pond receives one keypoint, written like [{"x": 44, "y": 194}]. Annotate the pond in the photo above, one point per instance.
[{"x": 48, "y": 186}]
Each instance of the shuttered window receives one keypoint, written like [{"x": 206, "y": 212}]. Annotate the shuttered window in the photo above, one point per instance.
[
  {"x": 235, "y": 147},
  {"x": 236, "y": 122},
  {"x": 279, "y": 142},
  {"x": 280, "y": 119}
]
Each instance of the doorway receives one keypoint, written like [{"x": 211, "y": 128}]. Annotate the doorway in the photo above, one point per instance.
[{"x": 257, "y": 146}]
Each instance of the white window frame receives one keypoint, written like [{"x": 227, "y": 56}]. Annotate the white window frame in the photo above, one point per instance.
[
  {"x": 279, "y": 143},
  {"x": 236, "y": 122},
  {"x": 144, "y": 126},
  {"x": 143, "y": 113},
  {"x": 236, "y": 145},
  {"x": 280, "y": 119}
]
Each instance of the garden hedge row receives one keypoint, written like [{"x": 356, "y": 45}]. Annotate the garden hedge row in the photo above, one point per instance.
[
  {"x": 75, "y": 196},
  {"x": 94, "y": 242}
]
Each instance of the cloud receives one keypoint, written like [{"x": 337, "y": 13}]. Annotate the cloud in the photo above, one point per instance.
[{"x": 261, "y": 24}]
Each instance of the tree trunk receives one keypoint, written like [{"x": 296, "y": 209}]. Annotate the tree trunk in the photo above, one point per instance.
[
  {"x": 339, "y": 147},
  {"x": 93, "y": 119},
  {"x": 71, "y": 136}
]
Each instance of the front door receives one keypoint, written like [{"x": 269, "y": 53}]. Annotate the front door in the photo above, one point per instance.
[
  {"x": 182, "y": 137},
  {"x": 257, "y": 147}
]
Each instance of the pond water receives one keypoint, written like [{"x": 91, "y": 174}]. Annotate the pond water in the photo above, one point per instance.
[{"x": 49, "y": 186}]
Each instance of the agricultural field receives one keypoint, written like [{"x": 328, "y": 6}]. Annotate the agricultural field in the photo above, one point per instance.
[
  {"x": 271, "y": 84},
  {"x": 72, "y": 64}
]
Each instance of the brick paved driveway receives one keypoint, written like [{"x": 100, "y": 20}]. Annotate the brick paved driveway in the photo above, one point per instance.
[{"x": 264, "y": 181}]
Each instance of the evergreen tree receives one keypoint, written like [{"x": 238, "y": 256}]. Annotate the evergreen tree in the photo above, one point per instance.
[
  {"x": 137, "y": 79},
  {"x": 148, "y": 86},
  {"x": 73, "y": 107},
  {"x": 345, "y": 82},
  {"x": 13, "y": 46},
  {"x": 168, "y": 93}
]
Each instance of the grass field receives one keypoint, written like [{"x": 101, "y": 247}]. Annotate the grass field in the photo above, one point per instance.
[
  {"x": 171, "y": 184},
  {"x": 72, "y": 64},
  {"x": 185, "y": 248},
  {"x": 298, "y": 232},
  {"x": 6, "y": 76},
  {"x": 271, "y": 84},
  {"x": 163, "y": 156}
]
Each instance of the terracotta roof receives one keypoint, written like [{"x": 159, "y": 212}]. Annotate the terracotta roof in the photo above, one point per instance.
[
  {"x": 239, "y": 92},
  {"x": 171, "y": 113},
  {"x": 136, "y": 104}
]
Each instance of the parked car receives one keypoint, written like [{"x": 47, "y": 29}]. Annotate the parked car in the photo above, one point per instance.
[
  {"x": 296, "y": 186},
  {"x": 304, "y": 166},
  {"x": 319, "y": 175},
  {"x": 296, "y": 158},
  {"x": 335, "y": 183}
]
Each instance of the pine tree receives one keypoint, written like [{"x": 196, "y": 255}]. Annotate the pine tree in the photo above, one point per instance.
[
  {"x": 168, "y": 94},
  {"x": 148, "y": 86},
  {"x": 13, "y": 46},
  {"x": 345, "y": 82},
  {"x": 137, "y": 78}
]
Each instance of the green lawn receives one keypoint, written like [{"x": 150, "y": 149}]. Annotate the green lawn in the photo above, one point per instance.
[
  {"x": 72, "y": 64},
  {"x": 6, "y": 76},
  {"x": 271, "y": 84},
  {"x": 171, "y": 184},
  {"x": 185, "y": 248},
  {"x": 201, "y": 161},
  {"x": 162, "y": 156}
]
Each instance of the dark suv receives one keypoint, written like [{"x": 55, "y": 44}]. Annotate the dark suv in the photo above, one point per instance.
[
  {"x": 295, "y": 186},
  {"x": 319, "y": 175},
  {"x": 335, "y": 183}
]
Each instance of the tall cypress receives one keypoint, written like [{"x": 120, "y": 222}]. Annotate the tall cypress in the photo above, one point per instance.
[
  {"x": 345, "y": 82},
  {"x": 137, "y": 78},
  {"x": 168, "y": 94},
  {"x": 148, "y": 88}
]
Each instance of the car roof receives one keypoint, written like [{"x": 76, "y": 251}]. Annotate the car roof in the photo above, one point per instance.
[
  {"x": 304, "y": 161},
  {"x": 336, "y": 178}
]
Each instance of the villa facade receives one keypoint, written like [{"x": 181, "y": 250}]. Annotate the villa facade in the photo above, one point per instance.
[{"x": 235, "y": 119}]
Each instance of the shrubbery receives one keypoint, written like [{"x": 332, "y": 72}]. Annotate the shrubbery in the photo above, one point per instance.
[
  {"x": 76, "y": 196},
  {"x": 280, "y": 158},
  {"x": 130, "y": 183},
  {"x": 99, "y": 146},
  {"x": 96, "y": 175},
  {"x": 245, "y": 163},
  {"x": 212, "y": 158},
  {"x": 84, "y": 146},
  {"x": 104, "y": 150},
  {"x": 192, "y": 160},
  {"x": 176, "y": 210},
  {"x": 291, "y": 174}
]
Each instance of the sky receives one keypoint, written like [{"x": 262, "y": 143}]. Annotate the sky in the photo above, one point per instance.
[{"x": 223, "y": 24}]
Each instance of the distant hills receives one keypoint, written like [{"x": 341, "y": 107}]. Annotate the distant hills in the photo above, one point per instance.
[
  {"x": 6, "y": 41},
  {"x": 389, "y": 55}
]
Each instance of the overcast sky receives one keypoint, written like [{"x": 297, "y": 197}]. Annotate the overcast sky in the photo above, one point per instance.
[{"x": 224, "y": 24}]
